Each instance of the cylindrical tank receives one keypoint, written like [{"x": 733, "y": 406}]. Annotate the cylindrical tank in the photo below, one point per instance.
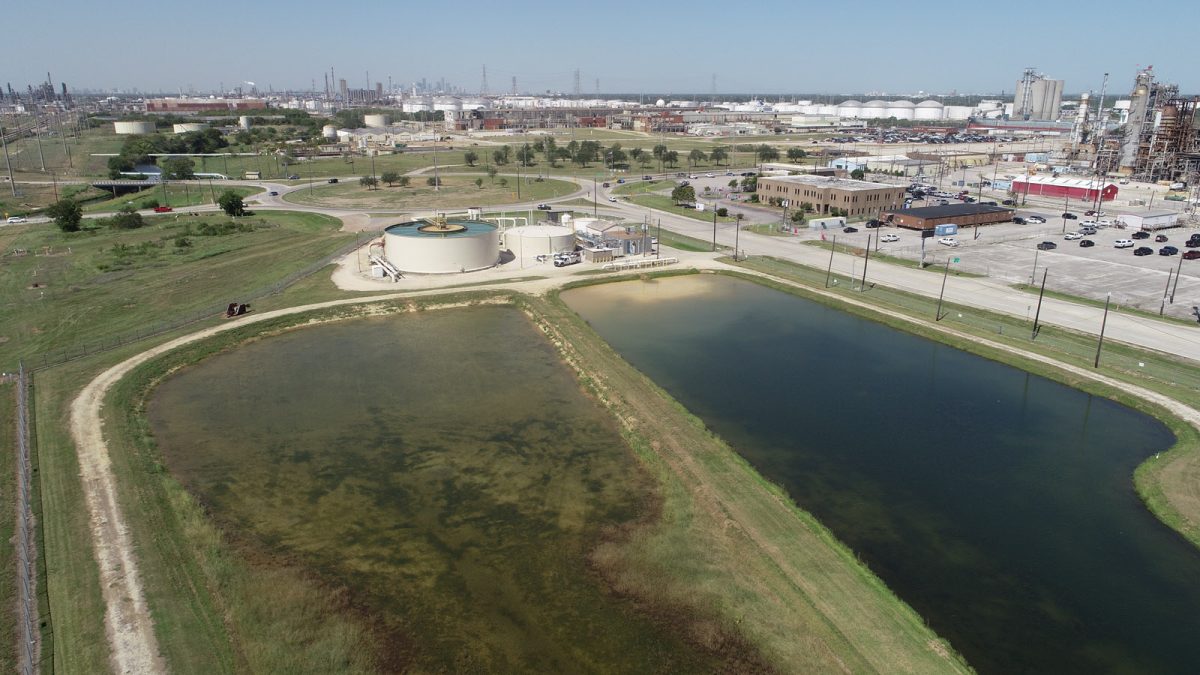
[
  {"x": 188, "y": 126},
  {"x": 958, "y": 112},
  {"x": 430, "y": 247},
  {"x": 330, "y": 132},
  {"x": 849, "y": 109},
  {"x": 376, "y": 121},
  {"x": 929, "y": 110},
  {"x": 244, "y": 122},
  {"x": 873, "y": 109},
  {"x": 530, "y": 241},
  {"x": 130, "y": 128},
  {"x": 901, "y": 110}
]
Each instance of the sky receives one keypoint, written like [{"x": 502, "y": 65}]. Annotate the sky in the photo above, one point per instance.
[{"x": 767, "y": 47}]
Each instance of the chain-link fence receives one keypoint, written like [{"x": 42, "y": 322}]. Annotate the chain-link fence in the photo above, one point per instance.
[{"x": 28, "y": 637}]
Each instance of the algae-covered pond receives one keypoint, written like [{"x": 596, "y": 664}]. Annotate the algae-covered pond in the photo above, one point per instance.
[
  {"x": 446, "y": 468},
  {"x": 999, "y": 504}
]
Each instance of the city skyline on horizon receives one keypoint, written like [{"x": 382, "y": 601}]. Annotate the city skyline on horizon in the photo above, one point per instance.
[{"x": 878, "y": 47}]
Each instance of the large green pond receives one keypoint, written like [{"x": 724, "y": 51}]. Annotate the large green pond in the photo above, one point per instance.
[
  {"x": 1000, "y": 505},
  {"x": 445, "y": 468}
]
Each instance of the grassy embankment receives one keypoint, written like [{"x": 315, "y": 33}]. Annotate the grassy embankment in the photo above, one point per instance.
[
  {"x": 8, "y": 557},
  {"x": 93, "y": 303},
  {"x": 1168, "y": 483},
  {"x": 455, "y": 192},
  {"x": 665, "y": 203}
]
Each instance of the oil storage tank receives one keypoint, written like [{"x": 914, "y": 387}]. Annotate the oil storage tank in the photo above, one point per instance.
[
  {"x": 442, "y": 246},
  {"x": 376, "y": 121},
  {"x": 131, "y": 128},
  {"x": 530, "y": 241}
]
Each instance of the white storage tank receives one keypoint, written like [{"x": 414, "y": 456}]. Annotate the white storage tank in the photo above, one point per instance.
[
  {"x": 872, "y": 110},
  {"x": 929, "y": 110},
  {"x": 849, "y": 109},
  {"x": 376, "y": 121},
  {"x": 441, "y": 246},
  {"x": 959, "y": 112},
  {"x": 244, "y": 122},
  {"x": 188, "y": 126},
  {"x": 131, "y": 128},
  {"x": 330, "y": 132},
  {"x": 530, "y": 241},
  {"x": 901, "y": 110}
]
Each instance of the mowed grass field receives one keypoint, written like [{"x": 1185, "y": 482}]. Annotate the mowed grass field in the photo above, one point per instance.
[
  {"x": 454, "y": 192},
  {"x": 173, "y": 195},
  {"x": 59, "y": 291}
]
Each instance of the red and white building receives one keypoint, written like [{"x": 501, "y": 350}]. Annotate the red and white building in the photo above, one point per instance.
[{"x": 1081, "y": 189}]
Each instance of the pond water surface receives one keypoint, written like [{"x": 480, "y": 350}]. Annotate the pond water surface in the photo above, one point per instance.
[
  {"x": 445, "y": 467},
  {"x": 999, "y": 504}
]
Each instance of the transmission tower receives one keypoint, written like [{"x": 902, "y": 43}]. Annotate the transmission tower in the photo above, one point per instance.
[
  {"x": 483, "y": 88},
  {"x": 576, "y": 82},
  {"x": 514, "y": 85}
]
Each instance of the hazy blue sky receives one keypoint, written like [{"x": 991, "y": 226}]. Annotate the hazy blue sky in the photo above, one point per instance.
[{"x": 761, "y": 46}]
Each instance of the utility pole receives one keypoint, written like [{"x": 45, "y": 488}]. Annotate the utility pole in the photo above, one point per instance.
[
  {"x": 12, "y": 184},
  {"x": 829, "y": 270},
  {"x": 1103, "y": 323},
  {"x": 1177, "y": 271},
  {"x": 714, "y": 244},
  {"x": 1037, "y": 315},
  {"x": 862, "y": 286},
  {"x": 1162, "y": 307},
  {"x": 942, "y": 293},
  {"x": 737, "y": 231}
]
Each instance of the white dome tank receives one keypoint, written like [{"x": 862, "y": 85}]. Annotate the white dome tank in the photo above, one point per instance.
[
  {"x": 849, "y": 109},
  {"x": 873, "y": 109},
  {"x": 131, "y": 128},
  {"x": 430, "y": 247},
  {"x": 929, "y": 110},
  {"x": 901, "y": 110},
  {"x": 530, "y": 241}
]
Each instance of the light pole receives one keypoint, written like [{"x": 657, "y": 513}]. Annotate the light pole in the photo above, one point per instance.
[
  {"x": 737, "y": 231},
  {"x": 1103, "y": 323}
]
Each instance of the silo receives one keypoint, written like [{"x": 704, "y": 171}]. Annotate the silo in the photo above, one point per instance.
[
  {"x": 131, "y": 128},
  {"x": 330, "y": 132},
  {"x": 376, "y": 121},
  {"x": 244, "y": 122}
]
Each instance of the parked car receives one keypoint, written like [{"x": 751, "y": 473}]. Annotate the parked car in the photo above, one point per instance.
[
  {"x": 163, "y": 209},
  {"x": 1047, "y": 246},
  {"x": 709, "y": 175},
  {"x": 849, "y": 229},
  {"x": 728, "y": 173},
  {"x": 606, "y": 185},
  {"x": 620, "y": 181},
  {"x": 612, "y": 199},
  {"x": 948, "y": 241},
  {"x": 889, "y": 237},
  {"x": 1086, "y": 243},
  {"x": 1018, "y": 220},
  {"x": 873, "y": 223},
  {"x": 1168, "y": 250},
  {"x": 1070, "y": 216},
  {"x": 273, "y": 193},
  {"x": 1094, "y": 213},
  {"x": 1143, "y": 250},
  {"x": 1140, "y": 235},
  {"x": 13, "y": 220},
  {"x": 1087, "y": 231},
  {"x": 1036, "y": 220},
  {"x": 1123, "y": 243},
  {"x": 1010, "y": 202},
  {"x": 988, "y": 204},
  {"x": 1160, "y": 238},
  {"x": 1192, "y": 243},
  {"x": 543, "y": 207},
  {"x": 693, "y": 176},
  {"x": 1071, "y": 236},
  {"x": 1191, "y": 255}
]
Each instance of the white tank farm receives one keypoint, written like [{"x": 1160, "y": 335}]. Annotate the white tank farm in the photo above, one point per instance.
[
  {"x": 849, "y": 109},
  {"x": 929, "y": 110},
  {"x": 442, "y": 247},
  {"x": 376, "y": 121},
  {"x": 131, "y": 128},
  {"x": 188, "y": 126},
  {"x": 530, "y": 241},
  {"x": 901, "y": 110}
]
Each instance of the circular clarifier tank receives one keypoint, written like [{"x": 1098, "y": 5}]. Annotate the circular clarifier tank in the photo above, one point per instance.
[{"x": 440, "y": 246}]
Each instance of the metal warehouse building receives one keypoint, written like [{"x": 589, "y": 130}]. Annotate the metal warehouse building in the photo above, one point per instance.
[
  {"x": 960, "y": 214},
  {"x": 1082, "y": 189}
]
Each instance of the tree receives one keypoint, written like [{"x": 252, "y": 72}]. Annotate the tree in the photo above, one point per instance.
[
  {"x": 231, "y": 203},
  {"x": 433, "y": 181},
  {"x": 369, "y": 182},
  {"x": 389, "y": 177},
  {"x": 718, "y": 155},
  {"x": 671, "y": 157},
  {"x": 470, "y": 157},
  {"x": 660, "y": 153},
  {"x": 750, "y": 184},
  {"x": 498, "y": 157},
  {"x": 796, "y": 154},
  {"x": 525, "y": 155},
  {"x": 696, "y": 156},
  {"x": 766, "y": 153},
  {"x": 733, "y": 183},
  {"x": 66, "y": 214},
  {"x": 178, "y": 168},
  {"x": 404, "y": 181},
  {"x": 127, "y": 218},
  {"x": 617, "y": 156},
  {"x": 683, "y": 194},
  {"x": 479, "y": 183},
  {"x": 549, "y": 149},
  {"x": 858, "y": 174}
]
